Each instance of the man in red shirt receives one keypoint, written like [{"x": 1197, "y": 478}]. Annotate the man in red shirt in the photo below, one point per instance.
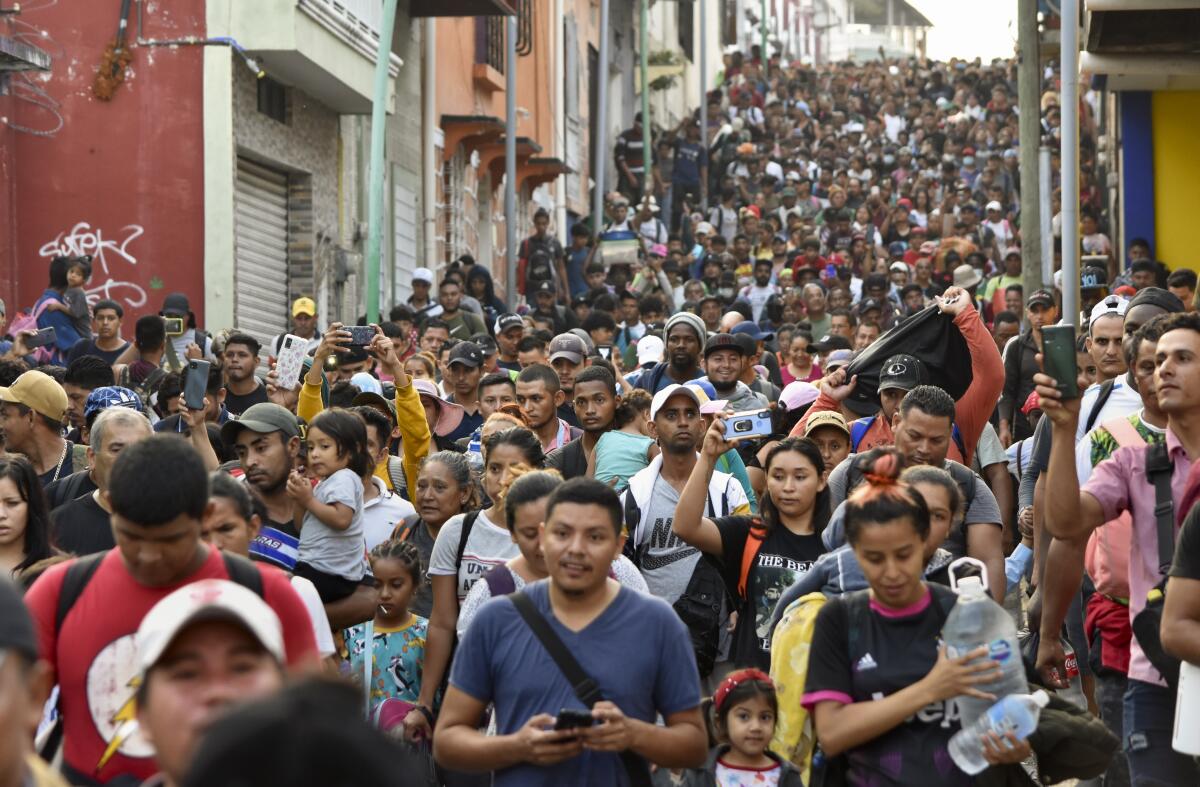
[{"x": 158, "y": 495}]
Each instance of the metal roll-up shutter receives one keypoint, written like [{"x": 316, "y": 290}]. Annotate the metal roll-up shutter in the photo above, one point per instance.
[{"x": 261, "y": 252}]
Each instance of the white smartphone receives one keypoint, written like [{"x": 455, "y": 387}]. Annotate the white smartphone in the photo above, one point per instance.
[{"x": 290, "y": 362}]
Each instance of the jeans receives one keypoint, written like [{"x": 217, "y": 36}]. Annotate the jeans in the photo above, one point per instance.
[
  {"x": 1110, "y": 694},
  {"x": 1149, "y": 720}
]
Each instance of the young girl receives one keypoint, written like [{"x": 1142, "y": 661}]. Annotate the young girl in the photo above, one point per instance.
[
  {"x": 24, "y": 518},
  {"x": 627, "y": 447},
  {"x": 760, "y": 557},
  {"x": 75, "y": 302},
  {"x": 880, "y": 688},
  {"x": 524, "y": 503},
  {"x": 331, "y": 530},
  {"x": 744, "y": 708},
  {"x": 398, "y": 637}
]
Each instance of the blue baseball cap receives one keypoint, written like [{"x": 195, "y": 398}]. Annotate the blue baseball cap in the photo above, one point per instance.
[
  {"x": 752, "y": 330},
  {"x": 110, "y": 396}
]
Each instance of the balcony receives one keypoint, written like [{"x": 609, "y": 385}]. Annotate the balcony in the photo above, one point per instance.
[{"x": 326, "y": 48}]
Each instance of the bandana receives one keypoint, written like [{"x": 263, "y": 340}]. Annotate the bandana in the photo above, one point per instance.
[{"x": 734, "y": 680}]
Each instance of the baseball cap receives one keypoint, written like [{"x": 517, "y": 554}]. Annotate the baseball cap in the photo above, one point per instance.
[
  {"x": 899, "y": 266},
  {"x": 450, "y": 415},
  {"x": 1093, "y": 279},
  {"x": 709, "y": 404},
  {"x": 658, "y": 250},
  {"x": 650, "y": 350},
  {"x": 1011, "y": 251},
  {"x": 366, "y": 383},
  {"x": 867, "y": 304},
  {"x": 176, "y": 305},
  {"x": 703, "y": 228},
  {"x": 994, "y": 205},
  {"x": 206, "y": 600},
  {"x": 263, "y": 418},
  {"x": 826, "y": 418},
  {"x": 507, "y": 321},
  {"x": 1042, "y": 297},
  {"x": 660, "y": 398},
  {"x": 544, "y": 286},
  {"x": 723, "y": 341},
  {"x": 1113, "y": 304},
  {"x": 466, "y": 353},
  {"x": 837, "y": 359},
  {"x": 569, "y": 346},
  {"x": 39, "y": 392},
  {"x": 901, "y": 371},
  {"x": 422, "y": 274},
  {"x": 751, "y": 329},
  {"x": 110, "y": 396},
  {"x": 797, "y": 394},
  {"x": 832, "y": 341},
  {"x": 304, "y": 306},
  {"x": 896, "y": 248},
  {"x": 377, "y": 401},
  {"x": 16, "y": 626}
]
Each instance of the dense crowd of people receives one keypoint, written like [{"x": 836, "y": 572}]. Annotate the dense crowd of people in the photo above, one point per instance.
[{"x": 685, "y": 515}]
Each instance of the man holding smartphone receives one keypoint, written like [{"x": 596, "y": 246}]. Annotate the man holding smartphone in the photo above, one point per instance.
[{"x": 632, "y": 645}]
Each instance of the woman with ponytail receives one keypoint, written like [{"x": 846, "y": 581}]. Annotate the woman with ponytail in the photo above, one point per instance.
[
  {"x": 880, "y": 687},
  {"x": 760, "y": 556}
]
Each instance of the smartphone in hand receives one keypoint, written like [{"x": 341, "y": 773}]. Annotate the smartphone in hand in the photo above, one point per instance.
[
  {"x": 290, "y": 362},
  {"x": 43, "y": 337},
  {"x": 1058, "y": 358},
  {"x": 756, "y": 423},
  {"x": 196, "y": 384}
]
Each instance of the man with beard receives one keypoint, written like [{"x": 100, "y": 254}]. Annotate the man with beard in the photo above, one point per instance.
[
  {"x": 723, "y": 360},
  {"x": 568, "y": 356},
  {"x": 242, "y": 389},
  {"x": 685, "y": 338},
  {"x": 595, "y": 403}
]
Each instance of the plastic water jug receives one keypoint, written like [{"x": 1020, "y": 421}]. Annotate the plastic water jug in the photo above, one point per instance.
[{"x": 1016, "y": 713}]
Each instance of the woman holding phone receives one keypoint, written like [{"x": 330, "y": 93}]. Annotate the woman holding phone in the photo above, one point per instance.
[{"x": 761, "y": 556}]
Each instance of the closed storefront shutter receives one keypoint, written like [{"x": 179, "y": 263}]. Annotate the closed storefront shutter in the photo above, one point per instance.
[{"x": 261, "y": 252}]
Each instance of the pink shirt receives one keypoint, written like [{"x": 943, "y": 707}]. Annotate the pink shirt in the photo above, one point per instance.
[{"x": 1119, "y": 484}]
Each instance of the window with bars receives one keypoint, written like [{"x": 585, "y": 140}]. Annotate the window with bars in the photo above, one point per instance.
[
  {"x": 686, "y": 26},
  {"x": 489, "y": 41}
]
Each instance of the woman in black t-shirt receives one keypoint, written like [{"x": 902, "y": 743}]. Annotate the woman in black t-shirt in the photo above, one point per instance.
[
  {"x": 760, "y": 557},
  {"x": 880, "y": 687}
]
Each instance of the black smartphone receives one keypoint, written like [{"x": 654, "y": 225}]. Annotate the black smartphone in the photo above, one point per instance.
[
  {"x": 196, "y": 383},
  {"x": 360, "y": 335},
  {"x": 573, "y": 719},
  {"x": 42, "y": 338},
  {"x": 1058, "y": 358}
]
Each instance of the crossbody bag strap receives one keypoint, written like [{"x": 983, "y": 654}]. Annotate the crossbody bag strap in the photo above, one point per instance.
[
  {"x": 586, "y": 689},
  {"x": 1159, "y": 469}
]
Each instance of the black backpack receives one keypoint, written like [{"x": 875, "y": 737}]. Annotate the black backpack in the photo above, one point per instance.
[{"x": 538, "y": 268}]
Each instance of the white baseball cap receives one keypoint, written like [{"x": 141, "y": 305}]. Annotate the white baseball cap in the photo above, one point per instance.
[
  {"x": 1113, "y": 304},
  {"x": 422, "y": 274},
  {"x": 675, "y": 389},
  {"x": 704, "y": 228},
  {"x": 650, "y": 350},
  {"x": 208, "y": 599}
]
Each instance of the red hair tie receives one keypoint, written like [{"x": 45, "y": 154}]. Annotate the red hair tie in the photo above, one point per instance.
[{"x": 734, "y": 680}]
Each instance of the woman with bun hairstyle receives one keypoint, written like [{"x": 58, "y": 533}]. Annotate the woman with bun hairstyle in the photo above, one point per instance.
[
  {"x": 760, "y": 556},
  {"x": 880, "y": 687}
]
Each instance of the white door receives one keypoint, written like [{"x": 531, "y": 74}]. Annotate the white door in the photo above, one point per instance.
[
  {"x": 260, "y": 305},
  {"x": 404, "y": 239}
]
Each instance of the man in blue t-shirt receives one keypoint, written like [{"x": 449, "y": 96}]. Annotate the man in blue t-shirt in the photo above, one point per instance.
[{"x": 631, "y": 644}]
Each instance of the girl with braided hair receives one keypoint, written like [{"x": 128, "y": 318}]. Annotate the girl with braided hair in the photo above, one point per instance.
[{"x": 880, "y": 687}]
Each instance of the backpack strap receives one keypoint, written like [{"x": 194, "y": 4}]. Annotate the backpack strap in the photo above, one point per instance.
[
  {"x": 956, "y": 436},
  {"x": 468, "y": 523},
  {"x": 78, "y": 575},
  {"x": 1106, "y": 389},
  {"x": 754, "y": 542},
  {"x": 1159, "y": 469},
  {"x": 243, "y": 572},
  {"x": 858, "y": 430},
  {"x": 585, "y": 687}
]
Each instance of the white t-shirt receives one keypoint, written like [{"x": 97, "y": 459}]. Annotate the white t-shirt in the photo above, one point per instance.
[
  {"x": 316, "y": 613},
  {"x": 622, "y": 568},
  {"x": 1122, "y": 401},
  {"x": 488, "y": 545}
]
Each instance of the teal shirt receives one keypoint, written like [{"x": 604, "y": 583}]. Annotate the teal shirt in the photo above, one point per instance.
[{"x": 730, "y": 462}]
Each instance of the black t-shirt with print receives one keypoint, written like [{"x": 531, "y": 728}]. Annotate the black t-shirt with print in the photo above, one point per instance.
[
  {"x": 781, "y": 560},
  {"x": 883, "y": 652},
  {"x": 238, "y": 404},
  {"x": 1187, "y": 548}
]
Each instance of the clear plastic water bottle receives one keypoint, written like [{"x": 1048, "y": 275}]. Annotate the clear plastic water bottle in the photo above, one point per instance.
[
  {"x": 474, "y": 453},
  {"x": 977, "y": 621},
  {"x": 1016, "y": 713}
]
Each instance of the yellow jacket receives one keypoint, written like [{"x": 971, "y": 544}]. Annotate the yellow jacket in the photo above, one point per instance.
[{"x": 410, "y": 420}]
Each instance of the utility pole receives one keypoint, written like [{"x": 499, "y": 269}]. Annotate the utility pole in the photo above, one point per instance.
[
  {"x": 376, "y": 167},
  {"x": 644, "y": 46},
  {"x": 700, "y": 9},
  {"x": 1070, "y": 160},
  {"x": 1028, "y": 101},
  {"x": 763, "y": 30},
  {"x": 601, "y": 141},
  {"x": 510, "y": 159}
]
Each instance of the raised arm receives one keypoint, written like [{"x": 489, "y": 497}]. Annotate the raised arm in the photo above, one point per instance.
[
  {"x": 415, "y": 435},
  {"x": 690, "y": 524},
  {"x": 1070, "y": 512}
]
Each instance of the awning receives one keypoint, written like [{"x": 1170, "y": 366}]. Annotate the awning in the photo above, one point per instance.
[
  {"x": 541, "y": 169},
  {"x": 471, "y": 131},
  {"x": 526, "y": 148},
  {"x": 462, "y": 8}
]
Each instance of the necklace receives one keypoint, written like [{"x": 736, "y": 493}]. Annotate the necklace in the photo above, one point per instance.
[{"x": 62, "y": 458}]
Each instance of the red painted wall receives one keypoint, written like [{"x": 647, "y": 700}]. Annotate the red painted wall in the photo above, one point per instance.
[{"x": 122, "y": 179}]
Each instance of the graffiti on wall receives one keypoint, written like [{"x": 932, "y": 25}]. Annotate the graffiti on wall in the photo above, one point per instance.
[{"x": 113, "y": 261}]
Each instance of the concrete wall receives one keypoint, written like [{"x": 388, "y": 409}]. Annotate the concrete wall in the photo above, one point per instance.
[{"x": 119, "y": 179}]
